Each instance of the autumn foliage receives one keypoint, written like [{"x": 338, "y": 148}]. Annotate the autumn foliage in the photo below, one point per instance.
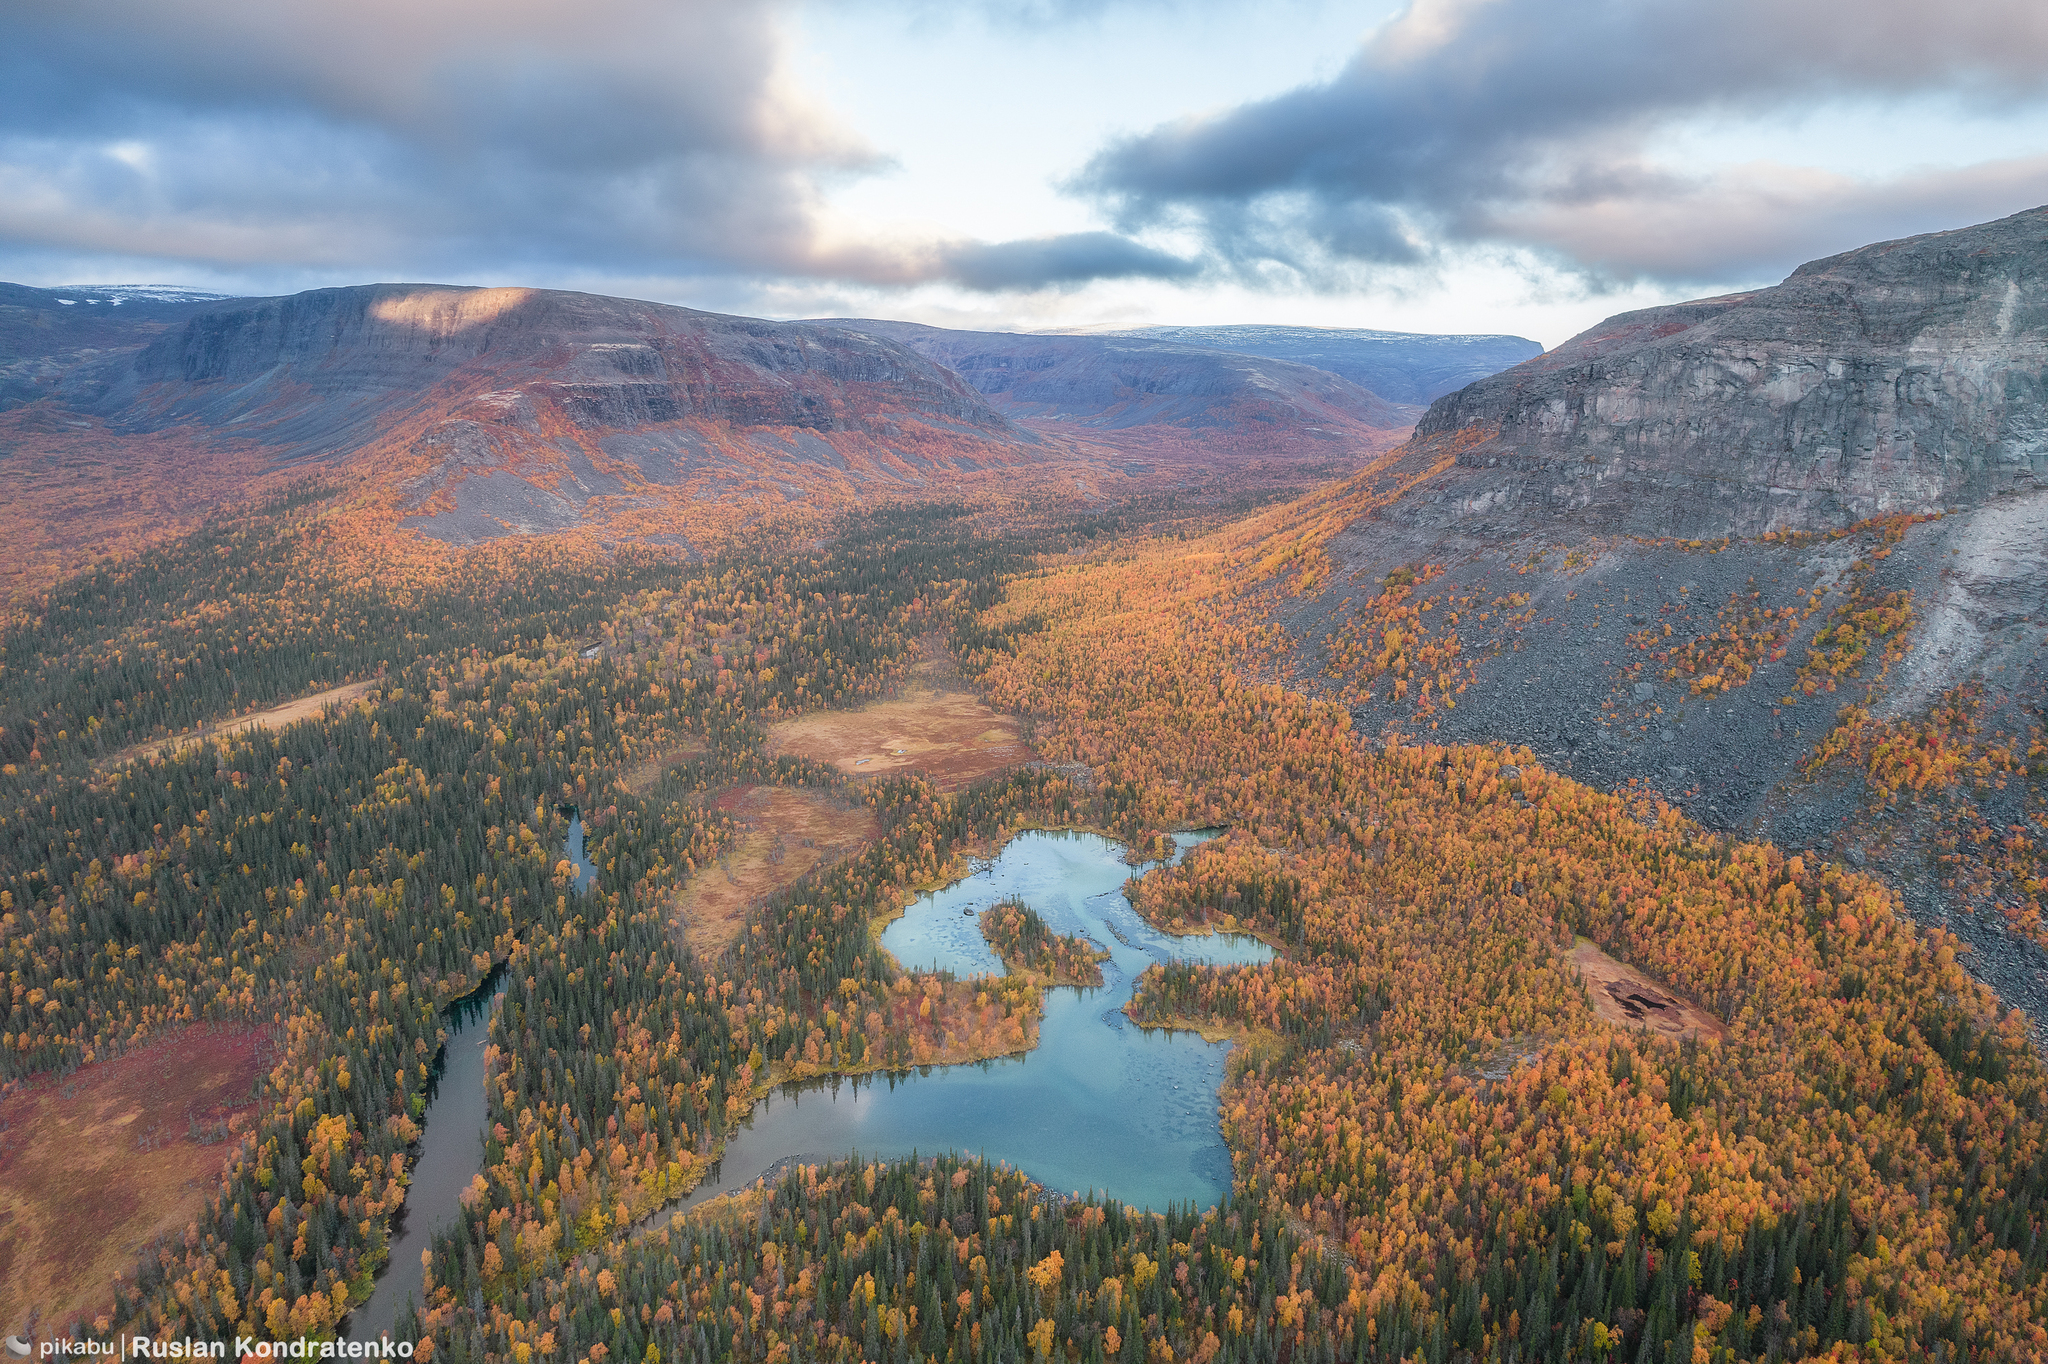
[
  {"x": 1438, "y": 1147},
  {"x": 1020, "y": 937}
]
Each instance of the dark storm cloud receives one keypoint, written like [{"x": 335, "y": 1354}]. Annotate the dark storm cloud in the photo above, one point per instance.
[
  {"x": 1037, "y": 14},
  {"x": 460, "y": 136},
  {"x": 1524, "y": 122},
  {"x": 1070, "y": 259}
]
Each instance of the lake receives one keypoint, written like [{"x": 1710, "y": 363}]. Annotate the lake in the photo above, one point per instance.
[{"x": 1101, "y": 1104}]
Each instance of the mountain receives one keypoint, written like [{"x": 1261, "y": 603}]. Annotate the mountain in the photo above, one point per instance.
[
  {"x": 1904, "y": 376},
  {"x": 323, "y": 373},
  {"x": 1156, "y": 397},
  {"x": 480, "y": 413},
  {"x": 1778, "y": 558},
  {"x": 46, "y": 332},
  {"x": 39, "y": 322},
  {"x": 1402, "y": 367}
]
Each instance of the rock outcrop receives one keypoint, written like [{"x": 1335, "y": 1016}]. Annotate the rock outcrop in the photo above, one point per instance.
[{"x": 1907, "y": 376}]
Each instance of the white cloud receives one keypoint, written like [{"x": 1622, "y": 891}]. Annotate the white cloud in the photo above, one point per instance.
[
  {"x": 1527, "y": 124},
  {"x": 1469, "y": 165}
]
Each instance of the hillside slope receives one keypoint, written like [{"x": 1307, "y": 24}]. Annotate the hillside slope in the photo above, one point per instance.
[
  {"x": 1779, "y": 558},
  {"x": 1156, "y": 398},
  {"x": 483, "y": 412},
  {"x": 1402, "y": 367}
]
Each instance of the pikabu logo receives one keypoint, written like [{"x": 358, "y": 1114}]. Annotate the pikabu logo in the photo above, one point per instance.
[{"x": 244, "y": 1347}]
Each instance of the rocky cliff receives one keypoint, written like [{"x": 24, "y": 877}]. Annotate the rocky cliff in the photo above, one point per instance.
[
  {"x": 497, "y": 411},
  {"x": 1861, "y": 693},
  {"x": 1906, "y": 376}
]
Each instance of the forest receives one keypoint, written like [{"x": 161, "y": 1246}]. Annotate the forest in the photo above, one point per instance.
[{"x": 1439, "y": 1151}]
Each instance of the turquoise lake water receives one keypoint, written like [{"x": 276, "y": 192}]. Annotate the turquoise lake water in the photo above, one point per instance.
[{"x": 1101, "y": 1104}]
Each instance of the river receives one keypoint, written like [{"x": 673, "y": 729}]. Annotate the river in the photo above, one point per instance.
[
  {"x": 1101, "y": 1104},
  {"x": 451, "y": 1151},
  {"x": 586, "y": 874}
]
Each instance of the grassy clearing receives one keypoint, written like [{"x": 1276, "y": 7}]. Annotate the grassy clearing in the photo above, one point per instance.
[
  {"x": 97, "y": 1164},
  {"x": 933, "y": 725},
  {"x": 277, "y": 717},
  {"x": 788, "y": 831}
]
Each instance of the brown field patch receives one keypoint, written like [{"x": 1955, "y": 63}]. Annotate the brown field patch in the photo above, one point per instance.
[
  {"x": 785, "y": 832},
  {"x": 641, "y": 778},
  {"x": 934, "y": 725},
  {"x": 304, "y": 708},
  {"x": 1627, "y": 998},
  {"x": 97, "y": 1164}
]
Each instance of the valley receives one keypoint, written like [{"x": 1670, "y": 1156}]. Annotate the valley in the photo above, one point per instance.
[{"x": 1560, "y": 845}]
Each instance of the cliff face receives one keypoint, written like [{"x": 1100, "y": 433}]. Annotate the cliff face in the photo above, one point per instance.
[
  {"x": 1555, "y": 513},
  {"x": 496, "y": 411},
  {"x": 1902, "y": 377}
]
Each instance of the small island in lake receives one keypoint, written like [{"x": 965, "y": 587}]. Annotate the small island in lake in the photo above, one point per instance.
[{"x": 1030, "y": 949}]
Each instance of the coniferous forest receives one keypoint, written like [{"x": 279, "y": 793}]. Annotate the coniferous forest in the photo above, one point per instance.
[{"x": 1440, "y": 1152}]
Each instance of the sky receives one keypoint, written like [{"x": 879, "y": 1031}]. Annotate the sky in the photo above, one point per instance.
[{"x": 1521, "y": 166}]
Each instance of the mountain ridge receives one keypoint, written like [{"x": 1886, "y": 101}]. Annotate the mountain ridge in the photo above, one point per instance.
[
  {"x": 1157, "y": 397},
  {"x": 473, "y": 413},
  {"x": 1900, "y": 377},
  {"x": 1402, "y": 367},
  {"x": 38, "y": 324},
  {"x": 1778, "y": 559}
]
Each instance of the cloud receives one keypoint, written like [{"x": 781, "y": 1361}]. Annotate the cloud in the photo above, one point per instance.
[
  {"x": 1527, "y": 124},
  {"x": 458, "y": 138},
  {"x": 1073, "y": 258},
  {"x": 1027, "y": 15},
  {"x": 1755, "y": 220},
  {"x": 227, "y": 131}
]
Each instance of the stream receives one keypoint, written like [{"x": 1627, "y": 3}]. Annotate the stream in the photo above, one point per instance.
[
  {"x": 586, "y": 873},
  {"x": 451, "y": 1151},
  {"x": 1099, "y": 1105}
]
